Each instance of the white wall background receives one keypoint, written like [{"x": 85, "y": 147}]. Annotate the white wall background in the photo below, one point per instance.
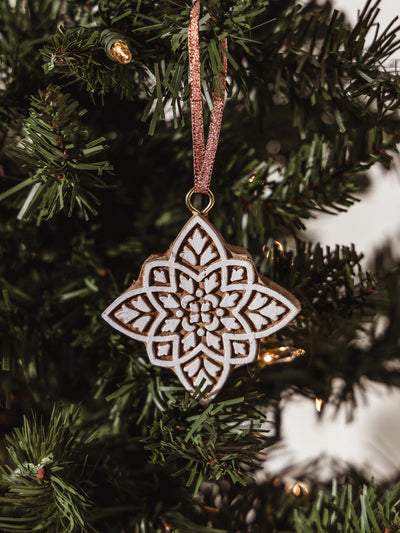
[{"x": 372, "y": 441}]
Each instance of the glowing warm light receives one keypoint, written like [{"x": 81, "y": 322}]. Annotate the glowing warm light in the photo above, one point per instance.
[
  {"x": 318, "y": 404},
  {"x": 121, "y": 52},
  {"x": 283, "y": 354},
  {"x": 296, "y": 489},
  {"x": 299, "y": 489}
]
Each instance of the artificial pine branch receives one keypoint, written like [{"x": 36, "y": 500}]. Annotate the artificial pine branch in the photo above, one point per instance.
[
  {"x": 24, "y": 28},
  {"x": 79, "y": 55},
  {"x": 363, "y": 510},
  {"x": 351, "y": 506},
  {"x": 299, "y": 78},
  {"x": 324, "y": 74},
  {"x": 224, "y": 439},
  {"x": 63, "y": 163},
  {"x": 44, "y": 489}
]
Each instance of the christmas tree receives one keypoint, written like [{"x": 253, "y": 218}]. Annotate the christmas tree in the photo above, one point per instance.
[{"x": 96, "y": 160}]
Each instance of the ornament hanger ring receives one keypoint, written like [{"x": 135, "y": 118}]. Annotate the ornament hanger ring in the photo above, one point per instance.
[{"x": 194, "y": 209}]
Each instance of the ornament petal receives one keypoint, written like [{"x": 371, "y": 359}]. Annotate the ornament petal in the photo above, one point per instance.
[
  {"x": 212, "y": 283},
  {"x": 170, "y": 301},
  {"x": 229, "y": 299},
  {"x": 171, "y": 324},
  {"x": 198, "y": 241},
  {"x": 132, "y": 322},
  {"x": 126, "y": 314}
]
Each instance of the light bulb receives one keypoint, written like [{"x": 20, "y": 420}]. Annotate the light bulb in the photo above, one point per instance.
[
  {"x": 120, "y": 51},
  {"x": 318, "y": 404},
  {"x": 300, "y": 489},
  {"x": 283, "y": 354}
]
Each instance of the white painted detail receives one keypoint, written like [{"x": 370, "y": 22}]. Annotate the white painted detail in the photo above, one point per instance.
[
  {"x": 237, "y": 274},
  {"x": 194, "y": 318},
  {"x": 185, "y": 301},
  {"x": 213, "y": 341},
  {"x": 230, "y": 323},
  {"x": 207, "y": 256},
  {"x": 205, "y": 307},
  {"x": 206, "y": 318},
  {"x": 163, "y": 350},
  {"x": 273, "y": 311},
  {"x": 193, "y": 367},
  {"x": 194, "y": 307},
  {"x": 239, "y": 348},
  {"x": 229, "y": 299},
  {"x": 213, "y": 299},
  {"x": 214, "y": 324},
  {"x": 188, "y": 255},
  {"x": 171, "y": 324},
  {"x": 258, "y": 302},
  {"x": 186, "y": 284},
  {"x": 141, "y": 305},
  {"x": 127, "y": 314},
  {"x": 186, "y": 326},
  {"x": 211, "y": 283},
  {"x": 258, "y": 320},
  {"x": 170, "y": 302},
  {"x": 189, "y": 341},
  {"x": 211, "y": 368},
  {"x": 141, "y": 323},
  {"x": 198, "y": 242},
  {"x": 159, "y": 276}
]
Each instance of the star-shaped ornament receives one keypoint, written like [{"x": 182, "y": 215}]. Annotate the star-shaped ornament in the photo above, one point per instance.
[{"x": 201, "y": 308}]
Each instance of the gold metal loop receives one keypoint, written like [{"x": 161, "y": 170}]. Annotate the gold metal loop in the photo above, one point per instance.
[{"x": 194, "y": 209}]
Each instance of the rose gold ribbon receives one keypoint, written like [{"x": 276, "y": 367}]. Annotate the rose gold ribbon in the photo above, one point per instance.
[{"x": 203, "y": 156}]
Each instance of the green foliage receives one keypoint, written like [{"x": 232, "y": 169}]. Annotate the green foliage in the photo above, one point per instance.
[
  {"x": 78, "y": 54},
  {"x": 310, "y": 108},
  {"x": 63, "y": 162},
  {"x": 320, "y": 176},
  {"x": 25, "y": 27},
  {"x": 223, "y": 439},
  {"x": 38, "y": 492},
  {"x": 353, "y": 505},
  {"x": 348, "y": 510},
  {"x": 331, "y": 284}
]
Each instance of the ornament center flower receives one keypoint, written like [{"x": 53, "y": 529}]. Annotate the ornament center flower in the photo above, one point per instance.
[{"x": 199, "y": 311}]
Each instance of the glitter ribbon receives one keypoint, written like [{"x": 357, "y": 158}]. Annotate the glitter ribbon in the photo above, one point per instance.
[{"x": 203, "y": 156}]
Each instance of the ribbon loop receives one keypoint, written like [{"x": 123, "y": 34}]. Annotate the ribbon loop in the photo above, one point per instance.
[{"x": 203, "y": 155}]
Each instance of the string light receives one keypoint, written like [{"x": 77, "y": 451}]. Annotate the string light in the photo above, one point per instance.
[
  {"x": 283, "y": 354},
  {"x": 299, "y": 489},
  {"x": 116, "y": 46},
  {"x": 318, "y": 404},
  {"x": 120, "y": 51}
]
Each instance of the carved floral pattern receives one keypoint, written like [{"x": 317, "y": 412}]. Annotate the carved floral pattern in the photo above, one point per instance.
[{"x": 201, "y": 308}]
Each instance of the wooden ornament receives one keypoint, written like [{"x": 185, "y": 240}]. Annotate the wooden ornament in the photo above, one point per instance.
[{"x": 201, "y": 308}]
